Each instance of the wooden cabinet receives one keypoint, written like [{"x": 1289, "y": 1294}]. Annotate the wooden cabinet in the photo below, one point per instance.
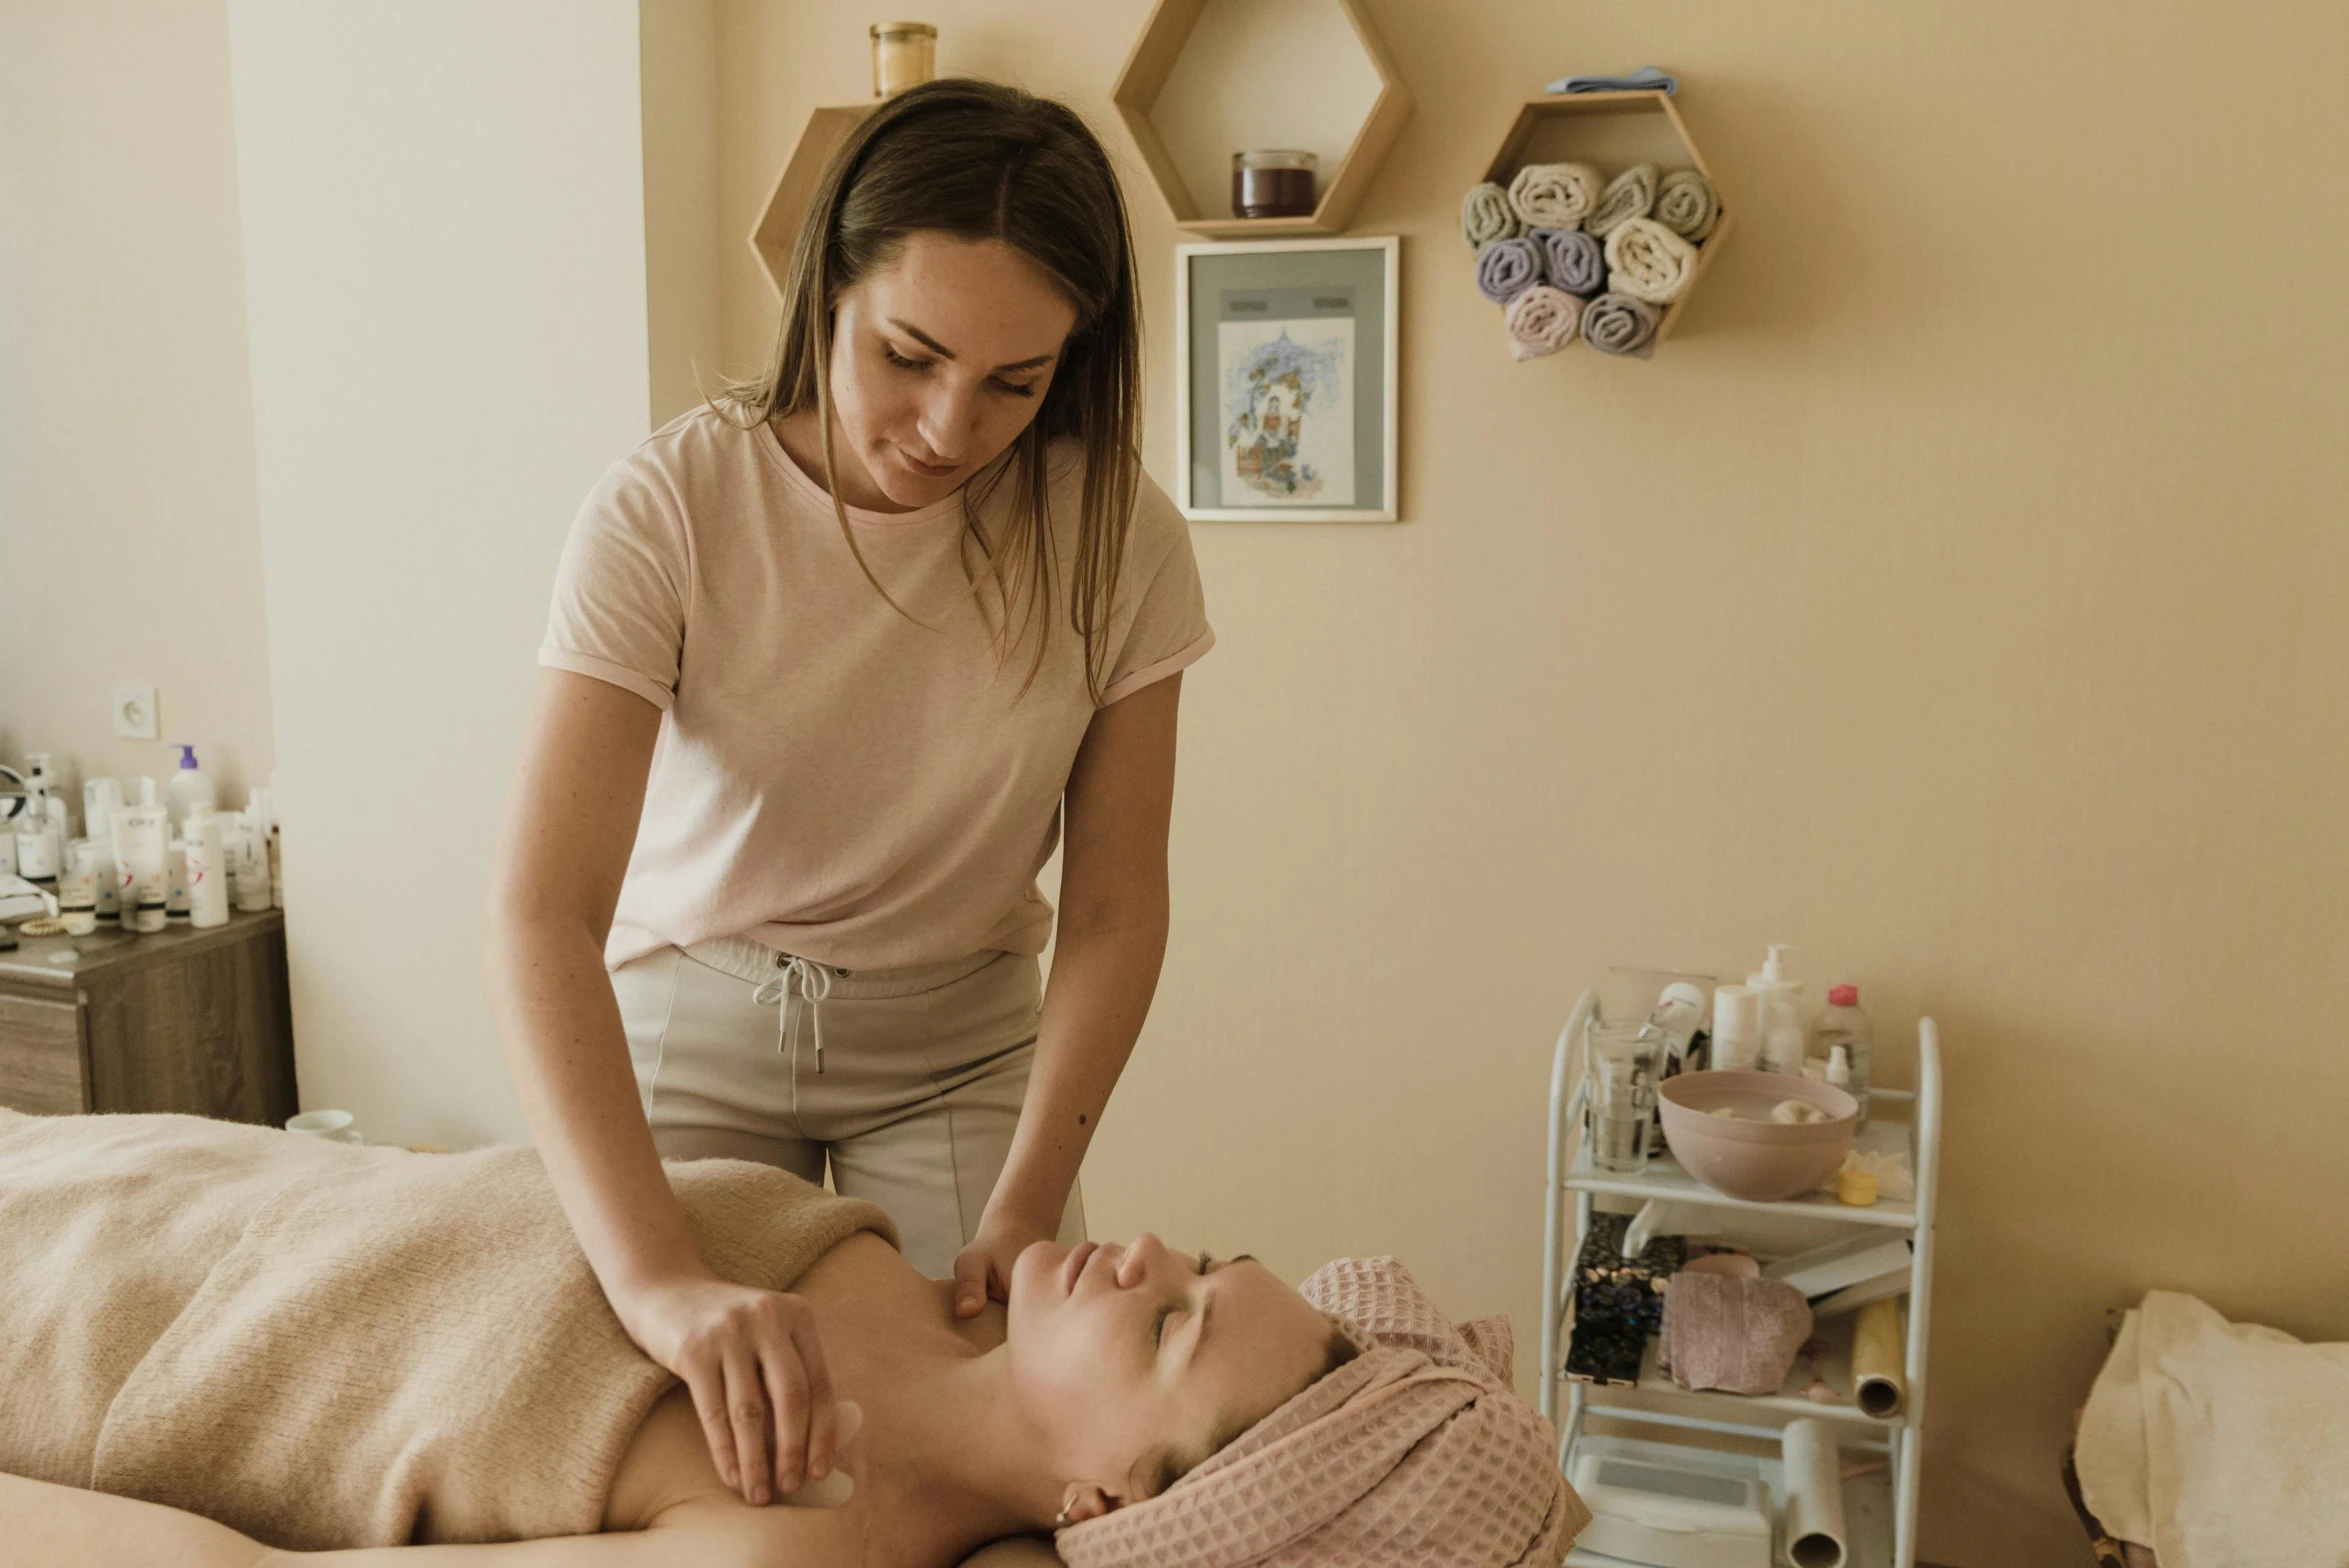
[{"x": 187, "y": 1020}]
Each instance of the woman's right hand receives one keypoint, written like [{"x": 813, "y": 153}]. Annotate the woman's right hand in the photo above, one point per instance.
[{"x": 755, "y": 1367}]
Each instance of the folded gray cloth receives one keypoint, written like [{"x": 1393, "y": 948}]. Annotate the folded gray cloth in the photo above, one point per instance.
[
  {"x": 1687, "y": 205},
  {"x": 1541, "y": 320},
  {"x": 1573, "y": 260},
  {"x": 1736, "y": 1334},
  {"x": 1647, "y": 76},
  {"x": 1507, "y": 268},
  {"x": 1619, "y": 324},
  {"x": 1555, "y": 195},
  {"x": 1486, "y": 215},
  {"x": 1628, "y": 195}
]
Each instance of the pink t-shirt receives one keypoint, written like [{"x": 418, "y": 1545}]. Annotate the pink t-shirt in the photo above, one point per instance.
[{"x": 831, "y": 778}]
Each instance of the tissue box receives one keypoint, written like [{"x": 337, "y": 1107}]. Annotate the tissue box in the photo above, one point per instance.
[{"x": 1644, "y": 1510}]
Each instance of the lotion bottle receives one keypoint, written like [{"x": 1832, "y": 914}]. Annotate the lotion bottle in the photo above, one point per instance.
[
  {"x": 190, "y": 787},
  {"x": 1782, "y": 1012},
  {"x": 207, "y": 868}
]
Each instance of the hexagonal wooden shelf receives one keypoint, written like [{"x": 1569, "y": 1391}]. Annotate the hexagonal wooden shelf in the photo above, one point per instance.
[
  {"x": 778, "y": 226},
  {"x": 1189, "y": 73},
  {"x": 1613, "y": 131}
]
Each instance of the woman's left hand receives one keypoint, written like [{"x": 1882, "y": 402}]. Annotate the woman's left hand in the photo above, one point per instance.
[{"x": 982, "y": 1270}]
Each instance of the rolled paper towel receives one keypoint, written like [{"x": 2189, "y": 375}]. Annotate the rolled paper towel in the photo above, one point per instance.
[
  {"x": 1542, "y": 320},
  {"x": 1554, "y": 195},
  {"x": 1618, "y": 324},
  {"x": 1812, "y": 1471},
  {"x": 1628, "y": 195},
  {"x": 1879, "y": 1378},
  {"x": 1574, "y": 261},
  {"x": 1648, "y": 261},
  {"x": 1686, "y": 204},
  {"x": 1507, "y": 268},
  {"x": 1486, "y": 216}
]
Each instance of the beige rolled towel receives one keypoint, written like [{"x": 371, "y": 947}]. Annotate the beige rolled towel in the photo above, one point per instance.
[
  {"x": 1628, "y": 195},
  {"x": 1687, "y": 205},
  {"x": 1555, "y": 195},
  {"x": 1541, "y": 320},
  {"x": 1487, "y": 216},
  {"x": 1648, "y": 261}
]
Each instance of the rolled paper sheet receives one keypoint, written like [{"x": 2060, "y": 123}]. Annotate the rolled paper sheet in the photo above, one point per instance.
[
  {"x": 1628, "y": 195},
  {"x": 1507, "y": 268},
  {"x": 1555, "y": 195},
  {"x": 1812, "y": 1472},
  {"x": 1572, "y": 259},
  {"x": 1542, "y": 320},
  {"x": 1619, "y": 324},
  {"x": 1686, "y": 204},
  {"x": 1879, "y": 1375},
  {"x": 1648, "y": 261},
  {"x": 1486, "y": 216}
]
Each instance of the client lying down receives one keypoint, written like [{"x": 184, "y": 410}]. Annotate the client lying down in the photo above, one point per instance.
[{"x": 221, "y": 1345}]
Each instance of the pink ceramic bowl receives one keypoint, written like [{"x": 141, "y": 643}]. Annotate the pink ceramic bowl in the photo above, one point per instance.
[{"x": 1751, "y": 1156}]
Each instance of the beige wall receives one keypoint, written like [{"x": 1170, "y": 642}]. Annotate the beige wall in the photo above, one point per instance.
[
  {"x": 444, "y": 230},
  {"x": 1961, "y": 597},
  {"x": 129, "y": 546}
]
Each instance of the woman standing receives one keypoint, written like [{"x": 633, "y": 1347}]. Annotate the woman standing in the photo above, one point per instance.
[{"x": 826, "y": 662}]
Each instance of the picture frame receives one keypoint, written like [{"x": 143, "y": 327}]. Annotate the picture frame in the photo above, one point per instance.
[{"x": 1286, "y": 380}]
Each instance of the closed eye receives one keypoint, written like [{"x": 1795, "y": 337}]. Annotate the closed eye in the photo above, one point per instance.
[{"x": 902, "y": 362}]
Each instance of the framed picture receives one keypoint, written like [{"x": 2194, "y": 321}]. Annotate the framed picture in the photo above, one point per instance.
[{"x": 1285, "y": 373}]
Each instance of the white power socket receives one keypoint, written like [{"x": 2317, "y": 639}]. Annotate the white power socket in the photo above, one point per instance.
[{"x": 134, "y": 712}]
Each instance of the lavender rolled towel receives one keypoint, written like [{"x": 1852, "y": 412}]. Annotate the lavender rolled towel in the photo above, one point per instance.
[
  {"x": 1486, "y": 216},
  {"x": 1618, "y": 324},
  {"x": 1734, "y": 1334},
  {"x": 1507, "y": 268},
  {"x": 1628, "y": 195},
  {"x": 1572, "y": 259},
  {"x": 1554, "y": 195},
  {"x": 1542, "y": 320},
  {"x": 1686, "y": 204},
  {"x": 1648, "y": 261}
]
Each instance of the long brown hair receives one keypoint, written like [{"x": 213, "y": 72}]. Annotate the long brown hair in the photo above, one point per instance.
[{"x": 982, "y": 161}]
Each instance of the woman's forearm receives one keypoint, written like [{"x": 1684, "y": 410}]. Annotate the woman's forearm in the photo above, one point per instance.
[
  {"x": 49, "y": 1526},
  {"x": 569, "y": 1055},
  {"x": 1103, "y": 977}
]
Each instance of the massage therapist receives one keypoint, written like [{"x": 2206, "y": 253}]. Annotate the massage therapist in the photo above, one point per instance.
[{"x": 827, "y": 661}]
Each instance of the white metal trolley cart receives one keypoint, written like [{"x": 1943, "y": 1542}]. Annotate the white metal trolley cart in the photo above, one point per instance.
[{"x": 1880, "y": 1508}]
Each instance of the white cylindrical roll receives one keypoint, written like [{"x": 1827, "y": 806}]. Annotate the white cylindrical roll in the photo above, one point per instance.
[
  {"x": 1737, "y": 1028},
  {"x": 1813, "y": 1466}
]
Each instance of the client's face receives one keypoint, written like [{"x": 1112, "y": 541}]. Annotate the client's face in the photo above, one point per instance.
[{"x": 1133, "y": 1355}]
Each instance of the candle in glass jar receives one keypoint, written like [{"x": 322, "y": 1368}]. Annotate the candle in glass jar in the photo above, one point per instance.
[
  {"x": 1273, "y": 183},
  {"x": 905, "y": 54}
]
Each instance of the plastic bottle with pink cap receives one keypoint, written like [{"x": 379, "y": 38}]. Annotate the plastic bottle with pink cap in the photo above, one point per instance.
[{"x": 1843, "y": 1024}]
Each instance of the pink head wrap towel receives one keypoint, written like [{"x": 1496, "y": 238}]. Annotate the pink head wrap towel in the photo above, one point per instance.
[{"x": 1417, "y": 1451}]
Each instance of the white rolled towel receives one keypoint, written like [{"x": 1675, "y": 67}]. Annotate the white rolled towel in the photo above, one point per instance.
[
  {"x": 1555, "y": 195},
  {"x": 1648, "y": 261}
]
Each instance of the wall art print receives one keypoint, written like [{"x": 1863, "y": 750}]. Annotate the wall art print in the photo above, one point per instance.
[{"x": 1288, "y": 418}]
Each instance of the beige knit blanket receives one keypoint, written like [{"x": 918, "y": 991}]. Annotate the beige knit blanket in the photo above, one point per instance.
[{"x": 327, "y": 1346}]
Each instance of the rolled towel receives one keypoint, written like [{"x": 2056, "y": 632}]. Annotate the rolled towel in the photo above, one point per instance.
[
  {"x": 1486, "y": 216},
  {"x": 1554, "y": 195},
  {"x": 1542, "y": 320},
  {"x": 1507, "y": 268},
  {"x": 1686, "y": 204},
  {"x": 1628, "y": 195},
  {"x": 1648, "y": 261},
  {"x": 1573, "y": 260},
  {"x": 1619, "y": 324}
]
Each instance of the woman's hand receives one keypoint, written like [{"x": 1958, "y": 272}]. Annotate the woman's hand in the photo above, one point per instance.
[
  {"x": 982, "y": 1270},
  {"x": 755, "y": 1367}
]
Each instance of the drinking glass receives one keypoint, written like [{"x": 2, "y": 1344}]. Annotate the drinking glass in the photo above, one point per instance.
[{"x": 1621, "y": 1065}]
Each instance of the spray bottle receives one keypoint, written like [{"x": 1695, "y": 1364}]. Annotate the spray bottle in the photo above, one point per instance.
[
  {"x": 190, "y": 787},
  {"x": 1782, "y": 1012}
]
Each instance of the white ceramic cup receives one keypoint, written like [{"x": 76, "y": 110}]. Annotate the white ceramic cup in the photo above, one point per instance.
[{"x": 333, "y": 1126}]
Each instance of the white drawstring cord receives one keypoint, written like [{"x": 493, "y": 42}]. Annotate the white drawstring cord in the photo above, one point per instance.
[{"x": 814, "y": 984}]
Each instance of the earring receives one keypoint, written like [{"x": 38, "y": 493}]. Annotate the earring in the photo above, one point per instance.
[{"x": 1060, "y": 1520}]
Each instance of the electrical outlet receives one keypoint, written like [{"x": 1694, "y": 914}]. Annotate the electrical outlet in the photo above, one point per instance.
[{"x": 134, "y": 712}]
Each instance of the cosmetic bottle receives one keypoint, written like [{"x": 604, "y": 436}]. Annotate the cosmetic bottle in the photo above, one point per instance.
[
  {"x": 88, "y": 866},
  {"x": 142, "y": 867},
  {"x": 40, "y": 846},
  {"x": 1842, "y": 1026},
  {"x": 1737, "y": 1029},
  {"x": 207, "y": 868},
  {"x": 190, "y": 787},
  {"x": 100, "y": 799},
  {"x": 175, "y": 887},
  {"x": 248, "y": 857},
  {"x": 1782, "y": 1012}
]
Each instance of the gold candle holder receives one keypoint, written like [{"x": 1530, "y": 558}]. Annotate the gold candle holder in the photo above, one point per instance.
[{"x": 905, "y": 54}]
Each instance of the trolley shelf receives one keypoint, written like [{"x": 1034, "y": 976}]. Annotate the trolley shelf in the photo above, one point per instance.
[{"x": 1880, "y": 1507}]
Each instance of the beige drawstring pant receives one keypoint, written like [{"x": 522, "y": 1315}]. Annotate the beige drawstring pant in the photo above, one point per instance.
[{"x": 923, "y": 1071}]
